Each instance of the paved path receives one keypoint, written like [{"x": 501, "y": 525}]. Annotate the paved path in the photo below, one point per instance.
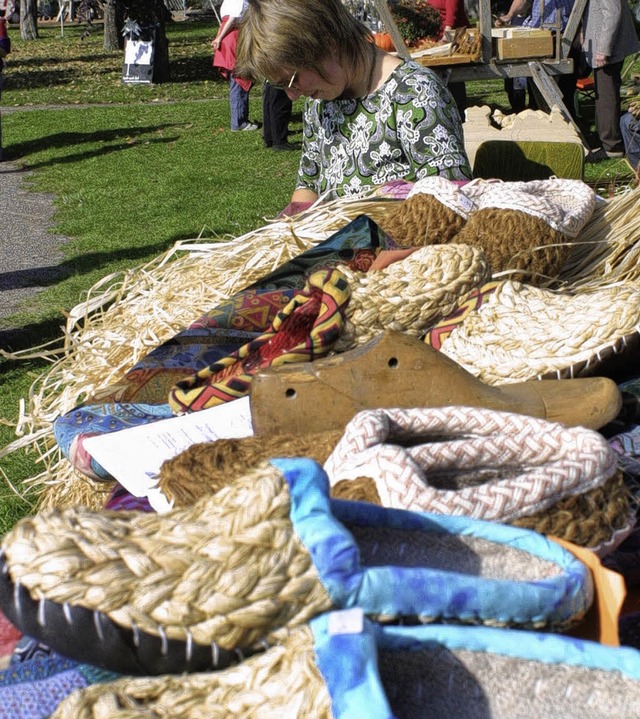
[{"x": 30, "y": 255}]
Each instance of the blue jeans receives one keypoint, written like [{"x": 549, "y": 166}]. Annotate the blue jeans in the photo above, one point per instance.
[
  {"x": 630, "y": 130},
  {"x": 239, "y": 101}
]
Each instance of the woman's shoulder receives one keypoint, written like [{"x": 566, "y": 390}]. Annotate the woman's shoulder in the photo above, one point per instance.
[{"x": 411, "y": 72}]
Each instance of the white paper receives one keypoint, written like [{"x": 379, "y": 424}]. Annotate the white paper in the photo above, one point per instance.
[
  {"x": 137, "y": 52},
  {"x": 134, "y": 456}
]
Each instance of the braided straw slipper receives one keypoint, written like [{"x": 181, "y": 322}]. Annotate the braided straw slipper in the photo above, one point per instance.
[
  {"x": 434, "y": 211},
  {"x": 522, "y": 332},
  {"x": 412, "y": 294},
  {"x": 342, "y": 666},
  {"x": 485, "y": 464},
  {"x": 140, "y": 593},
  {"x": 525, "y": 225}
]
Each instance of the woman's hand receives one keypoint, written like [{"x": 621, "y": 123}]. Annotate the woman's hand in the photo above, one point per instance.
[
  {"x": 215, "y": 44},
  {"x": 599, "y": 60}
]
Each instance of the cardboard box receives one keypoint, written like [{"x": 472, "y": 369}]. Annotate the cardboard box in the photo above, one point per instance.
[{"x": 536, "y": 44}]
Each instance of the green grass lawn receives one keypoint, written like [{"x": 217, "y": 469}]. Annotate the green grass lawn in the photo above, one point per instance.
[{"x": 134, "y": 168}]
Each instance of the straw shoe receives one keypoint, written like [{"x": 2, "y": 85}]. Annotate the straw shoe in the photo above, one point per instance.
[
  {"x": 187, "y": 591},
  {"x": 342, "y": 666}
]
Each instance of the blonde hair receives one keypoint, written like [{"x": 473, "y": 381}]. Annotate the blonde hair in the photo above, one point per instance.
[{"x": 298, "y": 34}]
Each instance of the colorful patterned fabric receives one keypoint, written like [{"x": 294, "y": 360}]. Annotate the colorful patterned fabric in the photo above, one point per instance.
[
  {"x": 32, "y": 689},
  {"x": 409, "y": 128},
  {"x": 141, "y": 396},
  {"x": 72, "y": 429},
  {"x": 441, "y": 330},
  {"x": 306, "y": 329},
  {"x": 249, "y": 311}
]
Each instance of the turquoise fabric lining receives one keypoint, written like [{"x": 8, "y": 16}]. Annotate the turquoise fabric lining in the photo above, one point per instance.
[
  {"x": 319, "y": 523},
  {"x": 533, "y": 646},
  {"x": 348, "y": 664}
]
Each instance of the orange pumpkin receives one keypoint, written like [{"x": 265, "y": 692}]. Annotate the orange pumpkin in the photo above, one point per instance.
[{"x": 383, "y": 41}]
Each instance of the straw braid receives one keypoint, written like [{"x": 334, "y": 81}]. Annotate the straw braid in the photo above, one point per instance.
[
  {"x": 589, "y": 519},
  {"x": 522, "y": 332},
  {"x": 514, "y": 240},
  {"x": 470, "y": 461},
  {"x": 412, "y": 294},
  {"x": 282, "y": 682},
  {"x": 421, "y": 220},
  {"x": 205, "y": 467},
  {"x": 231, "y": 567}
]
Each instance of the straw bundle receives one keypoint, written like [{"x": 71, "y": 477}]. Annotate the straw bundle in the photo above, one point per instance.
[
  {"x": 523, "y": 332},
  {"x": 104, "y": 336},
  {"x": 229, "y": 570},
  {"x": 412, "y": 294},
  {"x": 126, "y": 315},
  {"x": 284, "y": 682},
  {"x": 608, "y": 248}
]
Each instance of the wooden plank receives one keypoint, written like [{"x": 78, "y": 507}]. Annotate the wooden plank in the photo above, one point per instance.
[
  {"x": 392, "y": 29},
  {"x": 572, "y": 27},
  {"x": 551, "y": 93}
]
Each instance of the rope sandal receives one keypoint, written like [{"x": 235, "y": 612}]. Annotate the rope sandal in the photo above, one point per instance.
[
  {"x": 599, "y": 518},
  {"x": 343, "y": 666},
  {"x": 523, "y": 332},
  {"x": 489, "y": 465},
  {"x": 197, "y": 588},
  {"x": 412, "y": 294}
]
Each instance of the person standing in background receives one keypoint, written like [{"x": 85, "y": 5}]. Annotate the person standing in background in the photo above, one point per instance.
[
  {"x": 545, "y": 13},
  {"x": 276, "y": 115},
  {"x": 609, "y": 35},
  {"x": 5, "y": 49},
  {"x": 453, "y": 16},
  {"x": 630, "y": 129},
  {"x": 224, "y": 58}
]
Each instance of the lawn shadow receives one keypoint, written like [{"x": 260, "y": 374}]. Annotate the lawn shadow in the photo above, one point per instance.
[
  {"x": 30, "y": 335},
  {"x": 69, "y": 139}
]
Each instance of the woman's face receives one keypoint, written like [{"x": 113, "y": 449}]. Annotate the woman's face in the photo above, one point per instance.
[{"x": 330, "y": 85}]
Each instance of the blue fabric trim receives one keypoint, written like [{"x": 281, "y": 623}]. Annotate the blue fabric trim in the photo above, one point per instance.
[
  {"x": 348, "y": 664},
  {"x": 421, "y": 591},
  {"x": 532, "y": 646}
]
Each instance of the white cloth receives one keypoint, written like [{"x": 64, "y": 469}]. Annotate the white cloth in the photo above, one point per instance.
[{"x": 233, "y": 8}]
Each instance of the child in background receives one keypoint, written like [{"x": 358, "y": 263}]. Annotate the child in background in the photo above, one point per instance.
[
  {"x": 630, "y": 130},
  {"x": 5, "y": 49}
]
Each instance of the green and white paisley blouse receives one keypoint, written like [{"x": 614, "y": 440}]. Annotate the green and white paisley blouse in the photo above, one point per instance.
[{"x": 409, "y": 128}]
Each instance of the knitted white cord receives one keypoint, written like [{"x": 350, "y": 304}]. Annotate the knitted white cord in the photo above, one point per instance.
[{"x": 470, "y": 461}]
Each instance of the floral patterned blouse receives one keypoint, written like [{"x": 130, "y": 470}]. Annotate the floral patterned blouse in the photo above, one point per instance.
[{"x": 409, "y": 128}]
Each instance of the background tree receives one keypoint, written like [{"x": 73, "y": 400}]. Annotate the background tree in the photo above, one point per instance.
[{"x": 28, "y": 19}]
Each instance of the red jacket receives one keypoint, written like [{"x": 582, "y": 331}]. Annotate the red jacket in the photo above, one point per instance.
[
  {"x": 452, "y": 13},
  {"x": 224, "y": 57}
]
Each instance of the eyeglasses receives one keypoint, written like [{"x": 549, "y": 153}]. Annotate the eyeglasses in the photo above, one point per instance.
[{"x": 291, "y": 85}]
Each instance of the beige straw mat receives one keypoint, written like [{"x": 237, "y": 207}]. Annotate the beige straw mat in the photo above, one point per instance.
[
  {"x": 126, "y": 315},
  {"x": 522, "y": 332},
  {"x": 410, "y": 295},
  {"x": 282, "y": 682}
]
